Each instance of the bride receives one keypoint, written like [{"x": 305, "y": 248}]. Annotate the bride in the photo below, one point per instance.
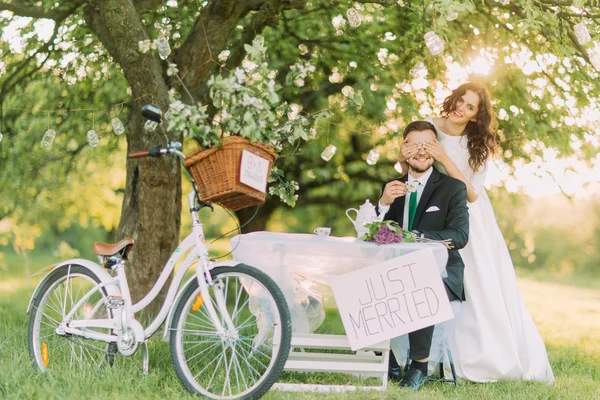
[{"x": 495, "y": 337}]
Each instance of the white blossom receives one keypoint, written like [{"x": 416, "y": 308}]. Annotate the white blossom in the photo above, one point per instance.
[
  {"x": 347, "y": 91},
  {"x": 172, "y": 70},
  {"x": 240, "y": 75},
  {"x": 249, "y": 65},
  {"x": 338, "y": 21},
  {"x": 144, "y": 46},
  {"x": 224, "y": 55},
  {"x": 177, "y": 106}
]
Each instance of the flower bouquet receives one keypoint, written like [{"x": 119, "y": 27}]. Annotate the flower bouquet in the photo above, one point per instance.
[{"x": 386, "y": 232}]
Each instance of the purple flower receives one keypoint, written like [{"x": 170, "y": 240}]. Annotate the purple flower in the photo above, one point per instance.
[{"x": 384, "y": 236}]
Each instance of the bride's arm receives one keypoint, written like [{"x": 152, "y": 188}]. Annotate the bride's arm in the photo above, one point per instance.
[{"x": 437, "y": 152}]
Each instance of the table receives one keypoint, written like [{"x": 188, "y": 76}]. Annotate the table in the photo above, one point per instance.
[{"x": 301, "y": 264}]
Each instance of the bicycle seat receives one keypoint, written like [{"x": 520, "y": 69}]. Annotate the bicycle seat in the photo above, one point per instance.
[{"x": 105, "y": 249}]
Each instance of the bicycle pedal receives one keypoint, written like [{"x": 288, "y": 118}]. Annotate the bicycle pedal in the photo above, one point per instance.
[{"x": 113, "y": 302}]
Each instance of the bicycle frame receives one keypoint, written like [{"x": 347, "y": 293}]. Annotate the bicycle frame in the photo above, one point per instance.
[{"x": 193, "y": 247}]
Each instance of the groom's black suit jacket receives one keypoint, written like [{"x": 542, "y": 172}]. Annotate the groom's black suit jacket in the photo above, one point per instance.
[{"x": 450, "y": 222}]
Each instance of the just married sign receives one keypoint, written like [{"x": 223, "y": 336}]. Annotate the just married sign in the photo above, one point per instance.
[{"x": 391, "y": 298}]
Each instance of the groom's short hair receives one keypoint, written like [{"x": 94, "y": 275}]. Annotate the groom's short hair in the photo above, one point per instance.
[{"x": 418, "y": 126}]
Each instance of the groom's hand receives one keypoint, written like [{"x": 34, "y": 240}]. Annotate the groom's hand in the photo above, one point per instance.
[{"x": 392, "y": 191}]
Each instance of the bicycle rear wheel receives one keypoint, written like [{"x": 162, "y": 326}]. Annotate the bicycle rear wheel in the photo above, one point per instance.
[
  {"x": 51, "y": 351},
  {"x": 222, "y": 367}
]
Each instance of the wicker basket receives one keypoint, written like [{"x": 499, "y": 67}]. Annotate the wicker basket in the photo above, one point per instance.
[{"x": 216, "y": 172}]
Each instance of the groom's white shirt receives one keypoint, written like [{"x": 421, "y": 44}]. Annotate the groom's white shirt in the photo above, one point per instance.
[{"x": 420, "y": 187}]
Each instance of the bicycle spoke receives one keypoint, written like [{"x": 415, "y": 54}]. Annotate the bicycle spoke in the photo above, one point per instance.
[
  {"x": 255, "y": 358},
  {"x": 204, "y": 369},
  {"x": 239, "y": 368},
  {"x": 216, "y": 369},
  {"x": 228, "y": 372}
]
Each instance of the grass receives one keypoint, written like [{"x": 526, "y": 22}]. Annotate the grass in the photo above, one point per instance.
[{"x": 568, "y": 318}]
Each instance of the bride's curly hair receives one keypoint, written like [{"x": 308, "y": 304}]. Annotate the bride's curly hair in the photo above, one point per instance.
[{"x": 480, "y": 134}]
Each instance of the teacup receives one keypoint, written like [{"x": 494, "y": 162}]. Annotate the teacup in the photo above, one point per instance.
[{"x": 322, "y": 231}]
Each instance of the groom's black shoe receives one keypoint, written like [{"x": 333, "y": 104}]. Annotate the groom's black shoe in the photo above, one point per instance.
[
  {"x": 413, "y": 379},
  {"x": 394, "y": 374}
]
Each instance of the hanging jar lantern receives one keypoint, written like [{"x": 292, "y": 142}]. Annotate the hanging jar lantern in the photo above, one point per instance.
[
  {"x": 328, "y": 153},
  {"x": 150, "y": 125},
  {"x": 434, "y": 43},
  {"x": 451, "y": 16},
  {"x": 594, "y": 56},
  {"x": 117, "y": 126},
  {"x": 581, "y": 33},
  {"x": 373, "y": 157},
  {"x": 92, "y": 138},
  {"x": 48, "y": 138},
  {"x": 162, "y": 45},
  {"x": 353, "y": 16}
]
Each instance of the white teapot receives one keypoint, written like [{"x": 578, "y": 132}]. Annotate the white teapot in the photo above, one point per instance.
[{"x": 364, "y": 215}]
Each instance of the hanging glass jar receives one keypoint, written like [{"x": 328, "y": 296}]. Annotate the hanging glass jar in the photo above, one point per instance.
[
  {"x": 150, "y": 125},
  {"x": 581, "y": 33},
  {"x": 594, "y": 56},
  {"x": 48, "y": 138},
  {"x": 373, "y": 157},
  {"x": 92, "y": 138},
  {"x": 434, "y": 43},
  {"x": 117, "y": 126},
  {"x": 162, "y": 45},
  {"x": 451, "y": 16},
  {"x": 353, "y": 17},
  {"x": 328, "y": 153}
]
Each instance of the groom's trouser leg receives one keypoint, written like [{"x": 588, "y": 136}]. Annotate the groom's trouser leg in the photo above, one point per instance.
[{"x": 420, "y": 343}]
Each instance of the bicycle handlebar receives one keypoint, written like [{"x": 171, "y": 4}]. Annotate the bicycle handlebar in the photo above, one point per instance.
[
  {"x": 173, "y": 148},
  {"x": 153, "y": 152},
  {"x": 139, "y": 154}
]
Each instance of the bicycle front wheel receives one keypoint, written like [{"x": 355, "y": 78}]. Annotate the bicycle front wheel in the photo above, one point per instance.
[{"x": 223, "y": 366}]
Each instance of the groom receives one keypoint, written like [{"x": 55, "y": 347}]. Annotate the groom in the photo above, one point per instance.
[{"x": 435, "y": 207}]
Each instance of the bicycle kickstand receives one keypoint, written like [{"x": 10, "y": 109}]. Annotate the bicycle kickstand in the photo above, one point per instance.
[{"x": 145, "y": 357}]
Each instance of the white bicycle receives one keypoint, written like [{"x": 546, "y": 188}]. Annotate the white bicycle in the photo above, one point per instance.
[{"x": 229, "y": 325}]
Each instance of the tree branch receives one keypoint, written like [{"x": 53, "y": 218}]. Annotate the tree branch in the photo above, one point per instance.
[
  {"x": 588, "y": 3},
  {"x": 208, "y": 37},
  {"x": 143, "y": 5},
  {"x": 267, "y": 15},
  {"x": 18, "y": 8},
  {"x": 44, "y": 48}
]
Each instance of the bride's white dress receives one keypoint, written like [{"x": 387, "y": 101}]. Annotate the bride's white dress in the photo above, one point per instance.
[{"x": 495, "y": 337}]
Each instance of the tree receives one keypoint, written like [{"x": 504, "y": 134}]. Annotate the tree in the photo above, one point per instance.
[{"x": 539, "y": 67}]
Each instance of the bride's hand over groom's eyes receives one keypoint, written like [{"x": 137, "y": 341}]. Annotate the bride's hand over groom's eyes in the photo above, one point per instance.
[
  {"x": 436, "y": 150},
  {"x": 407, "y": 150}
]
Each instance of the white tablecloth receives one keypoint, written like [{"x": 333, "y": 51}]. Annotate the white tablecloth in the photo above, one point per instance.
[
  {"x": 301, "y": 264},
  {"x": 299, "y": 261}
]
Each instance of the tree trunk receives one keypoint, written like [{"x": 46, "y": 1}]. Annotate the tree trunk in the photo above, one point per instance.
[
  {"x": 259, "y": 222},
  {"x": 152, "y": 201},
  {"x": 150, "y": 213}
]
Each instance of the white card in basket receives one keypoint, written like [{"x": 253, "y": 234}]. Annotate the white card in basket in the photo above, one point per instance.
[{"x": 254, "y": 171}]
